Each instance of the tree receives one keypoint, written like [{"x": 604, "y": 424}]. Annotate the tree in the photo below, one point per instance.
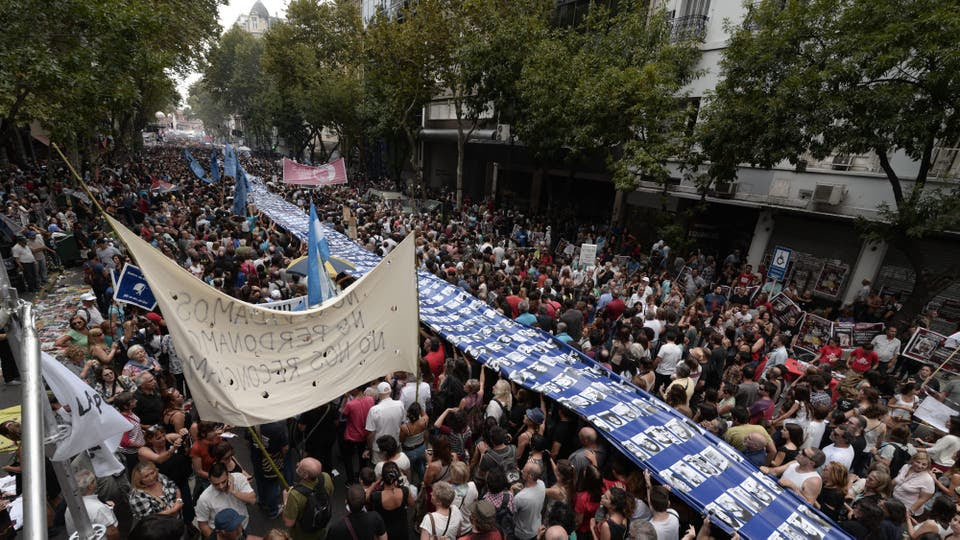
[
  {"x": 402, "y": 59},
  {"x": 485, "y": 42},
  {"x": 612, "y": 86},
  {"x": 836, "y": 77}
]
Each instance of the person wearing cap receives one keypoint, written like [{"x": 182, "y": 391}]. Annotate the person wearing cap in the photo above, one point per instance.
[
  {"x": 384, "y": 419},
  {"x": 533, "y": 423},
  {"x": 483, "y": 517},
  {"x": 228, "y": 525},
  {"x": 88, "y": 310},
  {"x": 38, "y": 246},
  {"x": 26, "y": 262}
]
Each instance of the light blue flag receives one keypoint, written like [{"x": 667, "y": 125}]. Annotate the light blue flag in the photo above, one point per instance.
[
  {"x": 319, "y": 286},
  {"x": 229, "y": 161},
  {"x": 214, "y": 168},
  {"x": 194, "y": 165},
  {"x": 240, "y": 191}
]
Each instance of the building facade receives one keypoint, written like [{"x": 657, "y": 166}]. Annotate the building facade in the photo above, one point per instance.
[
  {"x": 258, "y": 21},
  {"x": 811, "y": 209}
]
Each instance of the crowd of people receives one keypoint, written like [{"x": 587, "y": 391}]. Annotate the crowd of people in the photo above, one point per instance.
[{"x": 461, "y": 452}]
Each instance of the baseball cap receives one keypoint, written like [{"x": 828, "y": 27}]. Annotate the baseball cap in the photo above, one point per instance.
[
  {"x": 384, "y": 388},
  {"x": 154, "y": 317},
  {"x": 31, "y": 234},
  {"x": 535, "y": 415},
  {"x": 483, "y": 510},
  {"x": 88, "y": 297},
  {"x": 227, "y": 519}
]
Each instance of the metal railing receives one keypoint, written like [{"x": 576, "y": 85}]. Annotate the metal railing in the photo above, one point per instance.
[{"x": 688, "y": 28}]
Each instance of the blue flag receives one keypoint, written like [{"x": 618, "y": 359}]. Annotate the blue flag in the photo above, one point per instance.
[
  {"x": 132, "y": 288},
  {"x": 194, "y": 165},
  {"x": 319, "y": 286},
  {"x": 229, "y": 161},
  {"x": 240, "y": 191},
  {"x": 214, "y": 168}
]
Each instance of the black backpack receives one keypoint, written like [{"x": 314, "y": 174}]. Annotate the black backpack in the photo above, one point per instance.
[
  {"x": 317, "y": 512},
  {"x": 504, "y": 518},
  {"x": 900, "y": 458}
]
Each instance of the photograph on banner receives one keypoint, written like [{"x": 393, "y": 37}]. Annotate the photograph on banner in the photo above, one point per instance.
[
  {"x": 561, "y": 248},
  {"x": 815, "y": 331},
  {"x": 931, "y": 348},
  {"x": 853, "y": 335},
  {"x": 784, "y": 308},
  {"x": 805, "y": 270},
  {"x": 831, "y": 280}
]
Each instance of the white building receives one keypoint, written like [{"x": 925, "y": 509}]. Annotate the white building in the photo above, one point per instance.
[
  {"x": 258, "y": 21},
  {"x": 811, "y": 209}
]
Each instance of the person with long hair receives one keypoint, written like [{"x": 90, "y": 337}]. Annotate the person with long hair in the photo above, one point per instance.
[
  {"x": 133, "y": 439},
  {"x": 587, "y": 499},
  {"x": 208, "y": 434},
  {"x": 98, "y": 348},
  {"x": 792, "y": 435},
  {"x": 866, "y": 520},
  {"x": 502, "y": 401},
  {"x": 619, "y": 507},
  {"x": 439, "y": 459},
  {"x": 413, "y": 438},
  {"x": 175, "y": 418},
  {"x": 465, "y": 492},
  {"x": 153, "y": 493},
  {"x": 390, "y": 499},
  {"x": 109, "y": 385},
  {"x": 166, "y": 451},
  {"x": 836, "y": 481},
  {"x": 949, "y": 482},
  {"x": 938, "y": 522},
  {"x": 796, "y": 407},
  {"x": 77, "y": 334},
  {"x": 877, "y": 485},
  {"x": 565, "y": 488}
]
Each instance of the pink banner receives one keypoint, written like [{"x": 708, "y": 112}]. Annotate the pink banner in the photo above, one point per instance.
[{"x": 323, "y": 175}]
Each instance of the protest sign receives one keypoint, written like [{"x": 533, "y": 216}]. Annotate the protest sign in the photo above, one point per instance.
[
  {"x": 294, "y": 304},
  {"x": 784, "y": 308},
  {"x": 588, "y": 255},
  {"x": 133, "y": 289},
  {"x": 852, "y": 335},
  {"x": 815, "y": 331},
  {"x": 932, "y": 348},
  {"x": 329, "y": 174},
  {"x": 248, "y": 365},
  {"x": 831, "y": 279}
]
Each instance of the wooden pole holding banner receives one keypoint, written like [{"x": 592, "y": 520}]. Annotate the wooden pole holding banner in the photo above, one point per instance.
[
  {"x": 273, "y": 465},
  {"x": 945, "y": 362},
  {"x": 417, "y": 280}
]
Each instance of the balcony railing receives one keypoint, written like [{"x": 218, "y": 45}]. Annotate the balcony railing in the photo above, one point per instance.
[{"x": 689, "y": 28}]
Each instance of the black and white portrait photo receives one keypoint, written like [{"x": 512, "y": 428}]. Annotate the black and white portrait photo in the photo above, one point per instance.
[
  {"x": 636, "y": 450},
  {"x": 715, "y": 458},
  {"x": 806, "y": 527},
  {"x": 680, "y": 430},
  {"x": 649, "y": 445},
  {"x": 739, "y": 513},
  {"x": 759, "y": 491},
  {"x": 745, "y": 499},
  {"x": 702, "y": 465},
  {"x": 683, "y": 470},
  {"x": 675, "y": 481}
]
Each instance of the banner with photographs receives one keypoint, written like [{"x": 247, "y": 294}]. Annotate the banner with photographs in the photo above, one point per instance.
[
  {"x": 832, "y": 277},
  {"x": 747, "y": 292},
  {"x": 931, "y": 348},
  {"x": 815, "y": 331},
  {"x": 784, "y": 308},
  {"x": 853, "y": 335},
  {"x": 704, "y": 471}
]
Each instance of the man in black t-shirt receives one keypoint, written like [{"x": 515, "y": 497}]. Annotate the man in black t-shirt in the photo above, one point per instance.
[{"x": 358, "y": 524}]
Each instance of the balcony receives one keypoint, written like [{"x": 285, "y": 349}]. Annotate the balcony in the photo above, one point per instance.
[{"x": 689, "y": 28}]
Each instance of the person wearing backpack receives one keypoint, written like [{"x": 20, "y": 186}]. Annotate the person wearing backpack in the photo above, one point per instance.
[
  {"x": 895, "y": 452},
  {"x": 306, "y": 506}
]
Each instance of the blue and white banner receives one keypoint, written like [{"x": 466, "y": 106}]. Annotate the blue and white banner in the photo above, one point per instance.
[
  {"x": 195, "y": 166},
  {"x": 132, "y": 289},
  {"x": 229, "y": 161},
  {"x": 703, "y": 470},
  {"x": 214, "y": 168}
]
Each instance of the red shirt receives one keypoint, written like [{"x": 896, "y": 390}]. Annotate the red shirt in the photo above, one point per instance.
[
  {"x": 201, "y": 449},
  {"x": 436, "y": 360},
  {"x": 861, "y": 361},
  {"x": 829, "y": 355},
  {"x": 744, "y": 279},
  {"x": 514, "y": 302},
  {"x": 355, "y": 412},
  {"x": 583, "y": 505},
  {"x": 615, "y": 308}
]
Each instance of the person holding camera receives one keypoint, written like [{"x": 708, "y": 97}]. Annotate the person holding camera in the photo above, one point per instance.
[{"x": 168, "y": 453}]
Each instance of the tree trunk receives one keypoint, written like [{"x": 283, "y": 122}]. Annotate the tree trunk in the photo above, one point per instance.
[
  {"x": 461, "y": 145},
  {"x": 926, "y": 286}
]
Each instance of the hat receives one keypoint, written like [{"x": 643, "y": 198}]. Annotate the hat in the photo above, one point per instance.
[
  {"x": 88, "y": 297},
  {"x": 535, "y": 415},
  {"x": 101, "y": 240},
  {"x": 276, "y": 295},
  {"x": 645, "y": 278},
  {"x": 483, "y": 510},
  {"x": 31, "y": 234},
  {"x": 154, "y": 317},
  {"x": 227, "y": 519},
  {"x": 384, "y": 388}
]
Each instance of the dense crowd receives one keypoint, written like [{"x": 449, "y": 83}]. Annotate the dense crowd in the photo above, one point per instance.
[{"x": 463, "y": 452}]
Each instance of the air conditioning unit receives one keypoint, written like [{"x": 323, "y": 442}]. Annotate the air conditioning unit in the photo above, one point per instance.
[
  {"x": 828, "y": 194},
  {"x": 725, "y": 189},
  {"x": 503, "y": 133}
]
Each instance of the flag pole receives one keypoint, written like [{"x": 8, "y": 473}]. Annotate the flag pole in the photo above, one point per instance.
[
  {"x": 945, "y": 362},
  {"x": 416, "y": 280},
  {"x": 273, "y": 465}
]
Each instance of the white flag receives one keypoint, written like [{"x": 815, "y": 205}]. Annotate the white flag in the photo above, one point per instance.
[{"x": 92, "y": 419}]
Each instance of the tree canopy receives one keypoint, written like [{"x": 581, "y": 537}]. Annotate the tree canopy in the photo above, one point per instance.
[{"x": 837, "y": 77}]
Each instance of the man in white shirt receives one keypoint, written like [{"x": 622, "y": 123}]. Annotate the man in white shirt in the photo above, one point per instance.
[
  {"x": 408, "y": 392},
  {"x": 841, "y": 450},
  {"x": 226, "y": 490},
  {"x": 667, "y": 360},
  {"x": 384, "y": 418},
  {"x": 89, "y": 311},
  {"x": 887, "y": 347},
  {"x": 99, "y": 513},
  {"x": 778, "y": 356},
  {"x": 528, "y": 503},
  {"x": 26, "y": 262}
]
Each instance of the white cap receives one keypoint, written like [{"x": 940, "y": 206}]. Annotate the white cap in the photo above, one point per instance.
[
  {"x": 88, "y": 297},
  {"x": 384, "y": 388},
  {"x": 645, "y": 278}
]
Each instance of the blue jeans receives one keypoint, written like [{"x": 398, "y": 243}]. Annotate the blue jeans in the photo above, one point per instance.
[{"x": 418, "y": 460}]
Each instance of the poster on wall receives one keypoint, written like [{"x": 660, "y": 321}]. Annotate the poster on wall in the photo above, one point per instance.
[
  {"x": 805, "y": 269},
  {"x": 931, "y": 348},
  {"x": 831, "y": 279},
  {"x": 814, "y": 333}
]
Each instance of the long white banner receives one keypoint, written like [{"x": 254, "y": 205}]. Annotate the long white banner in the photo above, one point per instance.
[{"x": 247, "y": 364}]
